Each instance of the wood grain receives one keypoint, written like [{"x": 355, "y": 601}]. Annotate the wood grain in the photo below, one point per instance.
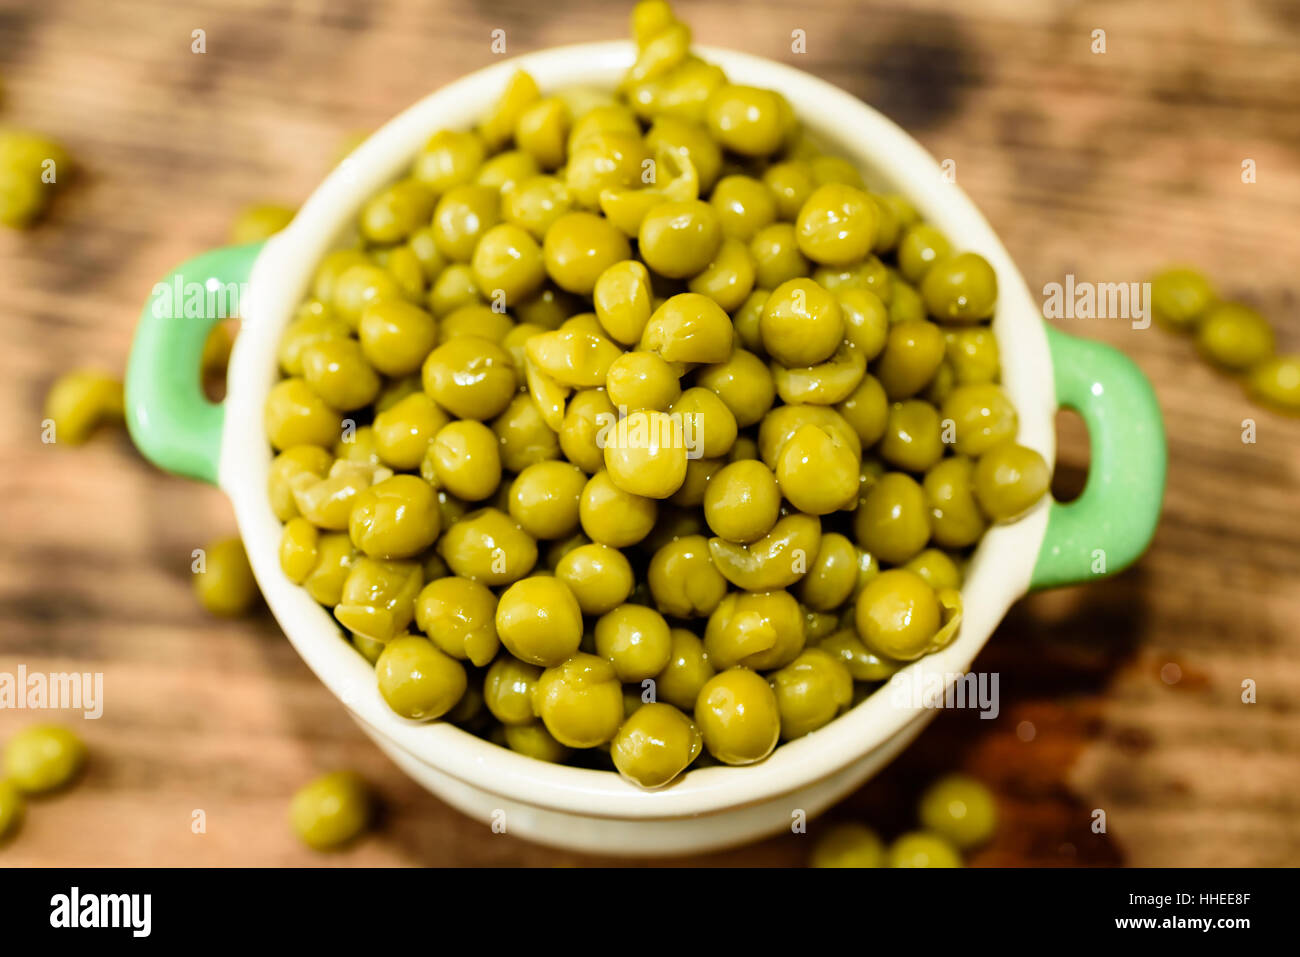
[{"x": 1100, "y": 165}]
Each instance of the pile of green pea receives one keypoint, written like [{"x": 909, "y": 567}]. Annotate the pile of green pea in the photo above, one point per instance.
[
  {"x": 38, "y": 760},
  {"x": 957, "y": 814},
  {"x": 671, "y": 254},
  {"x": 1231, "y": 335}
]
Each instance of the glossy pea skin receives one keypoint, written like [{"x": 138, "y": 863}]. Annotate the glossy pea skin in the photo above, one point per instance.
[
  {"x": 544, "y": 498},
  {"x": 225, "y": 584},
  {"x": 848, "y": 845},
  {"x": 817, "y": 471},
  {"x": 418, "y": 680},
  {"x": 612, "y": 516},
  {"x": 912, "y": 354},
  {"x": 738, "y": 716},
  {"x": 635, "y": 640},
  {"x": 463, "y": 215},
  {"x": 687, "y": 672},
  {"x": 642, "y": 381},
  {"x": 866, "y": 410},
  {"x": 937, "y": 568},
  {"x": 1234, "y": 337},
  {"x": 539, "y": 621},
  {"x": 760, "y": 630},
  {"x": 378, "y": 598},
  {"x": 587, "y": 419},
  {"x": 802, "y": 324},
  {"x": 920, "y": 247},
  {"x": 331, "y": 811},
  {"x": 508, "y": 690},
  {"x": 863, "y": 663},
  {"x": 296, "y": 415},
  {"x": 395, "y": 518},
  {"x": 743, "y": 501},
  {"x": 655, "y": 744},
  {"x": 337, "y": 371},
  {"x": 450, "y": 158},
  {"x": 1180, "y": 297},
  {"x": 961, "y": 288},
  {"x": 599, "y": 576},
  {"x": 623, "y": 301},
  {"x": 810, "y": 692},
  {"x": 43, "y": 758},
  {"x": 1008, "y": 480},
  {"x": 534, "y": 741},
  {"x": 580, "y": 246},
  {"x": 832, "y": 574},
  {"x": 961, "y": 809},
  {"x": 790, "y": 183},
  {"x": 974, "y": 356},
  {"x": 509, "y": 260},
  {"x": 706, "y": 425},
  {"x": 689, "y": 327},
  {"x": 866, "y": 320},
  {"x": 391, "y": 215},
  {"x": 395, "y": 336},
  {"x": 897, "y": 615},
  {"x": 459, "y": 616},
  {"x": 312, "y": 324},
  {"x": 893, "y": 521},
  {"x": 298, "y": 549},
  {"x": 580, "y": 701},
  {"x": 747, "y": 120},
  {"x": 488, "y": 546},
  {"x": 679, "y": 239},
  {"x": 535, "y": 204},
  {"x": 690, "y": 139},
  {"x": 645, "y": 455},
  {"x": 777, "y": 256},
  {"x": 955, "y": 517},
  {"x": 404, "y": 430},
  {"x": 913, "y": 439},
  {"x": 467, "y": 460},
  {"x": 744, "y": 206},
  {"x": 683, "y": 580},
  {"x": 922, "y": 849},
  {"x": 983, "y": 417},
  {"x": 837, "y": 225},
  {"x": 744, "y": 384},
  {"x": 729, "y": 277},
  {"x": 470, "y": 377},
  {"x": 605, "y": 160}
]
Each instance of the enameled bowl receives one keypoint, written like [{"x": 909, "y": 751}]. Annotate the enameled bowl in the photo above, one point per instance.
[{"x": 1100, "y": 533}]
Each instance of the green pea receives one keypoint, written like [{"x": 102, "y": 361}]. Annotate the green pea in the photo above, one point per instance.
[
  {"x": 1235, "y": 337},
  {"x": 848, "y": 845},
  {"x": 961, "y": 288},
  {"x": 1008, "y": 480},
  {"x": 331, "y": 811},
  {"x": 418, "y": 680},
  {"x": 1180, "y": 297},
  {"x": 923, "y": 849},
  {"x": 43, "y": 758},
  {"x": 960, "y": 809}
]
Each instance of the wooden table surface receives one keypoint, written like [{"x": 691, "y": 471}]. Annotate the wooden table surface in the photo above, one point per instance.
[{"x": 1100, "y": 165}]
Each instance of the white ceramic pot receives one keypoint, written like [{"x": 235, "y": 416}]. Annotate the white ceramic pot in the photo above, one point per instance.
[{"x": 710, "y": 807}]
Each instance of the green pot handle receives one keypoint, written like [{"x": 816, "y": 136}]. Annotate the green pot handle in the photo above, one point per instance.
[
  {"x": 1106, "y": 528},
  {"x": 171, "y": 421}
]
